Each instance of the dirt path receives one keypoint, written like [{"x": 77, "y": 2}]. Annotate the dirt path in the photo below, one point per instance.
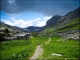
[
  {"x": 37, "y": 53},
  {"x": 48, "y": 41}
]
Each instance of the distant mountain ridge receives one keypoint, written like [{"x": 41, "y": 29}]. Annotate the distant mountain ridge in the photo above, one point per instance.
[
  {"x": 28, "y": 29},
  {"x": 33, "y": 29}
]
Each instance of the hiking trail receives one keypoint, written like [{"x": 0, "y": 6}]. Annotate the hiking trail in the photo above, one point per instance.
[{"x": 39, "y": 51}]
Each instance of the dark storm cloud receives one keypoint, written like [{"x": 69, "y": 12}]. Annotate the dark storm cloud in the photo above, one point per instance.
[
  {"x": 8, "y": 8},
  {"x": 47, "y": 7}
]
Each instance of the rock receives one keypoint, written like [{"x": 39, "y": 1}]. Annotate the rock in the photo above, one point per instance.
[{"x": 54, "y": 54}]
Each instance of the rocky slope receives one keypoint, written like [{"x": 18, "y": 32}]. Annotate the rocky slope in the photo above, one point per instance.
[
  {"x": 66, "y": 25},
  {"x": 53, "y": 21},
  {"x": 69, "y": 17}
]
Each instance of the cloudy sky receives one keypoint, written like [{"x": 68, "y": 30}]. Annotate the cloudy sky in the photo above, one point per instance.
[{"x": 24, "y": 13}]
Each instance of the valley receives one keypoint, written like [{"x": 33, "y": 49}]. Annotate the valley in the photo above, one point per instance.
[{"x": 58, "y": 39}]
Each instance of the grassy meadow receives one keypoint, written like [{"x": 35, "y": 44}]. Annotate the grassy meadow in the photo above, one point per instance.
[
  {"x": 20, "y": 49},
  {"x": 68, "y": 49},
  {"x": 24, "y": 49}
]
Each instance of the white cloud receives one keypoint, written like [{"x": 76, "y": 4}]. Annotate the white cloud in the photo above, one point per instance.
[
  {"x": 46, "y": 18},
  {"x": 23, "y": 24},
  {"x": 8, "y": 22}
]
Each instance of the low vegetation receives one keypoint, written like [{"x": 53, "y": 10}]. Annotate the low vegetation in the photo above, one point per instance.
[
  {"x": 20, "y": 49},
  {"x": 68, "y": 49},
  {"x": 24, "y": 49}
]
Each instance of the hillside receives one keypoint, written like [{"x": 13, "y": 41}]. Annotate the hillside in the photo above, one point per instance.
[
  {"x": 4, "y": 25},
  {"x": 70, "y": 21},
  {"x": 67, "y": 26},
  {"x": 14, "y": 29},
  {"x": 53, "y": 21},
  {"x": 69, "y": 17}
]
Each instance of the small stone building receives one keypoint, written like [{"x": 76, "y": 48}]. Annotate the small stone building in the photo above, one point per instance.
[{"x": 24, "y": 36}]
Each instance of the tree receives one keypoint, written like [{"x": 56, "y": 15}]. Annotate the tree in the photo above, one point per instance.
[{"x": 6, "y": 30}]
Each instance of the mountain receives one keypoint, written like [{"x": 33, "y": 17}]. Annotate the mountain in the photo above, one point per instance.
[
  {"x": 51, "y": 22},
  {"x": 4, "y": 25},
  {"x": 69, "y": 21},
  {"x": 68, "y": 26},
  {"x": 33, "y": 29},
  {"x": 69, "y": 17}
]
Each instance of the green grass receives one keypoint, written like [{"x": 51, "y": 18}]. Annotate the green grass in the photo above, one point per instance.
[
  {"x": 48, "y": 30},
  {"x": 39, "y": 40},
  {"x": 76, "y": 27},
  {"x": 24, "y": 49},
  {"x": 9, "y": 49},
  {"x": 74, "y": 21},
  {"x": 68, "y": 49},
  {"x": 20, "y": 49}
]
